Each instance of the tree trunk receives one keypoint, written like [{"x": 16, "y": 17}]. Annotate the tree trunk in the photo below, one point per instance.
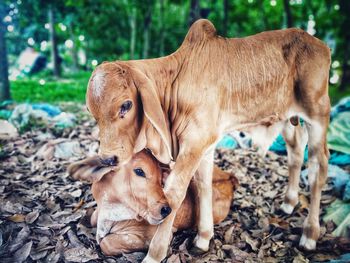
[
  {"x": 74, "y": 50},
  {"x": 132, "y": 22},
  {"x": 226, "y": 8},
  {"x": 194, "y": 11},
  {"x": 54, "y": 51},
  {"x": 146, "y": 31},
  {"x": 161, "y": 26},
  {"x": 4, "y": 80},
  {"x": 288, "y": 13},
  {"x": 263, "y": 15}
]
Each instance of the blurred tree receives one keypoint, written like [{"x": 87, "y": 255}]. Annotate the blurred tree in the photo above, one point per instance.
[
  {"x": 4, "y": 81},
  {"x": 131, "y": 12},
  {"x": 54, "y": 50},
  {"x": 133, "y": 29},
  {"x": 132, "y": 21},
  {"x": 194, "y": 11},
  {"x": 161, "y": 27},
  {"x": 147, "y": 11},
  {"x": 74, "y": 47},
  {"x": 42, "y": 15},
  {"x": 225, "y": 19},
  {"x": 288, "y": 13}
]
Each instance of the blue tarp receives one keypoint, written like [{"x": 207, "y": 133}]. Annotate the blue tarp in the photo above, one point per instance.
[
  {"x": 51, "y": 110},
  {"x": 339, "y": 178}
]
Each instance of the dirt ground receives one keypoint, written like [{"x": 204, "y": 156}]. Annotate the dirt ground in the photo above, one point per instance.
[{"x": 43, "y": 211}]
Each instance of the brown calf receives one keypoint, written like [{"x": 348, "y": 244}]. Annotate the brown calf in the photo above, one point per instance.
[
  {"x": 179, "y": 106},
  {"x": 127, "y": 201}
]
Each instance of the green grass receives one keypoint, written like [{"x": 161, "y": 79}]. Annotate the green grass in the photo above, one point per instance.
[{"x": 71, "y": 87}]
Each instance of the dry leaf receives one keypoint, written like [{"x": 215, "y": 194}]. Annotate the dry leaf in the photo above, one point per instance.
[
  {"x": 300, "y": 259},
  {"x": 19, "y": 240},
  {"x": 279, "y": 222},
  {"x": 228, "y": 234},
  {"x": 22, "y": 254},
  {"x": 18, "y": 218},
  {"x": 304, "y": 203},
  {"x": 32, "y": 216},
  {"x": 80, "y": 254}
]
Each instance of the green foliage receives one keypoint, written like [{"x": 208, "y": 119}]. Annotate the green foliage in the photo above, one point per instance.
[
  {"x": 109, "y": 30},
  {"x": 336, "y": 94},
  {"x": 71, "y": 88}
]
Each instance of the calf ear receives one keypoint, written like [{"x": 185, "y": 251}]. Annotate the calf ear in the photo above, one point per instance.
[
  {"x": 152, "y": 107},
  {"x": 89, "y": 170}
]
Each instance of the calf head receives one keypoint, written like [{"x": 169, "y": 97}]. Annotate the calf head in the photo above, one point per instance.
[
  {"x": 131, "y": 191},
  {"x": 127, "y": 108}
]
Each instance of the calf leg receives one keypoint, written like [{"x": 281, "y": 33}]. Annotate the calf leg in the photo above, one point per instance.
[
  {"x": 296, "y": 139},
  {"x": 203, "y": 180},
  {"x": 175, "y": 190},
  {"x": 317, "y": 175}
]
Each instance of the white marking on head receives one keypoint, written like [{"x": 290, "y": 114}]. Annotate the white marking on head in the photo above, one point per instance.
[{"x": 98, "y": 83}]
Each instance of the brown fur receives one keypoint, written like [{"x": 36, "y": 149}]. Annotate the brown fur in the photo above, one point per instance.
[
  {"x": 184, "y": 102},
  {"x": 139, "y": 233}
]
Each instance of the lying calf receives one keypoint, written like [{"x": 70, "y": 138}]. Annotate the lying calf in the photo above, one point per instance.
[{"x": 131, "y": 202}]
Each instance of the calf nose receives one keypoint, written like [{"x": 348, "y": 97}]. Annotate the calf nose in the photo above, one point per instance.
[
  {"x": 165, "y": 211},
  {"x": 109, "y": 161}
]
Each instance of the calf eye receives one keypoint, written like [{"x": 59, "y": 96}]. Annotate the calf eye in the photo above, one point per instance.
[
  {"x": 139, "y": 172},
  {"x": 126, "y": 106}
]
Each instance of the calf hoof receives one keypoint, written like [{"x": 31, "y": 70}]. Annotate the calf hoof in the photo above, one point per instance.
[
  {"x": 287, "y": 208},
  {"x": 307, "y": 243},
  {"x": 149, "y": 259},
  {"x": 200, "y": 245}
]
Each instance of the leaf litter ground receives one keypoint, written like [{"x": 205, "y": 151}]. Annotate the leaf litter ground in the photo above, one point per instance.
[{"x": 44, "y": 215}]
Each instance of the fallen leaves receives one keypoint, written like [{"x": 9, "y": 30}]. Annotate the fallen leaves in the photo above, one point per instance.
[
  {"x": 80, "y": 254},
  {"x": 44, "y": 215},
  {"x": 22, "y": 253},
  {"x": 279, "y": 222},
  {"x": 32, "y": 216}
]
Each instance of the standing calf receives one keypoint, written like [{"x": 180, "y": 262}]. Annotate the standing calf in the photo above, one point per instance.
[{"x": 179, "y": 106}]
